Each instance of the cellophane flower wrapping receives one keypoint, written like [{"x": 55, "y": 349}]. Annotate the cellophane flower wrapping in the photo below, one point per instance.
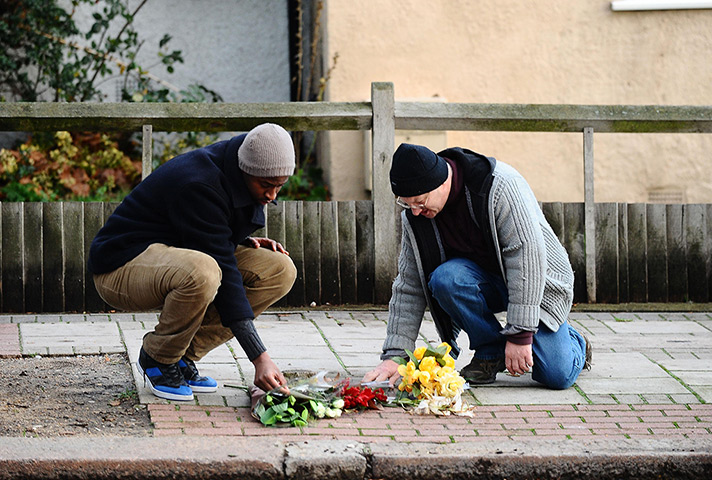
[
  {"x": 302, "y": 400},
  {"x": 324, "y": 395}
]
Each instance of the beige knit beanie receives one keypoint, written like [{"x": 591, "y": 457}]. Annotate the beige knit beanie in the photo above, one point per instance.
[{"x": 267, "y": 151}]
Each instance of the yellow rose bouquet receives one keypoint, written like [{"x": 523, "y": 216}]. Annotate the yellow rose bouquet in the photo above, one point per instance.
[{"x": 430, "y": 382}]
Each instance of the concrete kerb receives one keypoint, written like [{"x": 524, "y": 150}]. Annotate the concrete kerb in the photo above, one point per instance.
[
  {"x": 539, "y": 458},
  {"x": 264, "y": 459},
  {"x": 144, "y": 457}
]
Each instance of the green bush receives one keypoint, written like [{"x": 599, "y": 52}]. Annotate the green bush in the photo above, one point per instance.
[
  {"x": 305, "y": 185},
  {"x": 64, "y": 166}
]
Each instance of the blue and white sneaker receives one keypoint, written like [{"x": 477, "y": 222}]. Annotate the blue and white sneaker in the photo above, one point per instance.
[
  {"x": 164, "y": 380},
  {"x": 195, "y": 381}
]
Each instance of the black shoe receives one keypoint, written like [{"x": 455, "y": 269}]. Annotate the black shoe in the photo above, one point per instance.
[
  {"x": 482, "y": 372},
  {"x": 589, "y": 353},
  {"x": 195, "y": 381},
  {"x": 165, "y": 380}
]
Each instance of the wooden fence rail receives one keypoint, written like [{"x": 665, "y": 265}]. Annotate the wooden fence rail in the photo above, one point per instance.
[{"x": 647, "y": 253}]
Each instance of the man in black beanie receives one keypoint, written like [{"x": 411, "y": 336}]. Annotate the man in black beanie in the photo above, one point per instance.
[
  {"x": 475, "y": 242},
  {"x": 180, "y": 242}
]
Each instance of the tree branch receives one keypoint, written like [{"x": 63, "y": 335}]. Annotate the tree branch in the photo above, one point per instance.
[{"x": 123, "y": 29}]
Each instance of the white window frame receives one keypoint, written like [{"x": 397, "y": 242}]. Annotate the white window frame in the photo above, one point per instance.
[{"x": 637, "y": 5}]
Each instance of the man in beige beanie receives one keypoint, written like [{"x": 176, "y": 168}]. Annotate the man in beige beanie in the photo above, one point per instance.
[{"x": 180, "y": 241}]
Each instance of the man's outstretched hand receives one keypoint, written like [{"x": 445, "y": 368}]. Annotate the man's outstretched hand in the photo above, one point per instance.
[{"x": 387, "y": 370}]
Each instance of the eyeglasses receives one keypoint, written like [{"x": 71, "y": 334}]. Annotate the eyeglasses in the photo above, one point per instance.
[{"x": 419, "y": 206}]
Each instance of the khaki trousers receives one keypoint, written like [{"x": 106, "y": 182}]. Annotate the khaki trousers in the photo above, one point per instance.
[{"x": 183, "y": 284}]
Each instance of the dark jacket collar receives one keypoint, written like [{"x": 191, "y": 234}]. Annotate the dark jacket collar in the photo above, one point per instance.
[
  {"x": 241, "y": 198},
  {"x": 240, "y": 195},
  {"x": 476, "y": 168}
]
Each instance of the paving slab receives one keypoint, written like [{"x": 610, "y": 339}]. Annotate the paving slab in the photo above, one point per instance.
[
  {"x": 63, "y": 338},
  {"x": 705, "y": 393},
  {"x": 31, "y": 318},
  {"x": 314, "y": 364},
  {"x": 624, "y": 365},
  {"x": 676, "y": 329},
  {"x": 690, "y": 364}
]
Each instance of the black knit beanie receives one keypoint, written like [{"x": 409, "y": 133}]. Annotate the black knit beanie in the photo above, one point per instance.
[{"x": 416, "y": 170}]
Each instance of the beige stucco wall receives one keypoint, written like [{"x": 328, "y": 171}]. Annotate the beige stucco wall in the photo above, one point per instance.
[{"x": 519, "y": 51}]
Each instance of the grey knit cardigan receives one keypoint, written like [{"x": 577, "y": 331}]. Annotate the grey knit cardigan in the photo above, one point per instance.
[{"x": 533, "y": 262}]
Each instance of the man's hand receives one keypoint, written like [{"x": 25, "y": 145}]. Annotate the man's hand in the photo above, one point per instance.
[
  {"x": 267, "y": 374},
  {"x": 387, "y": 370},
  {"x": 518, "y": 358},
  {"x": 273, "y": 245}
]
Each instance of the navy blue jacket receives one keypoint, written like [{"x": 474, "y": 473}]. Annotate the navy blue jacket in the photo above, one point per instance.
[{"x": 197, "y": 200}]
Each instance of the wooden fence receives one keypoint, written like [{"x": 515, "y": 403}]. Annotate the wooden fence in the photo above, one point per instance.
[
  {"x": 644, "y": 252},
  {"x": 45, "y": 247},
  {"x": 647, "y": 253},
  {"x": 616, "y": 249}
]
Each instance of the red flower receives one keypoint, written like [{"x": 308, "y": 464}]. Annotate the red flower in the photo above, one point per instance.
[{"x": 362, "y": 397}]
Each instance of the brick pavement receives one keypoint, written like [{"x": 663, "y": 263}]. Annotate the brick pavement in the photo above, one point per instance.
[
  {"x": 651, "y": 378},
  {"x": 506, "y": 421}
]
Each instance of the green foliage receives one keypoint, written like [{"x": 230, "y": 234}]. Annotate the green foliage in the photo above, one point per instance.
[
  {"x": 43, "y": 55},
  {"x": 193, "y": 94},
  {"x": 128, "y": 394},
  {"x": 18, "y": 192},
  {"x": 173, "y": 146},
  {"x": 28, "y": 30},
  {"x": 307, "y": 182},
  {"x": 64, "y": 166},
  {"x": 284, "y": 410},
  {"x": 305, "y": 185}
]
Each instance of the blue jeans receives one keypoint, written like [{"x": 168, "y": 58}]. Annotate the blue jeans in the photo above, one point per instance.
[{"x": 471, "y": 296}]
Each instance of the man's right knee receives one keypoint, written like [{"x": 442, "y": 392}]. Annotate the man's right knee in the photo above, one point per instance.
[{"x": 288, "y": 272}]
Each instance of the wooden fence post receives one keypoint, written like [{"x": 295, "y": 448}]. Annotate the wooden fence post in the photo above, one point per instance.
[
  {"x": 384, "y": 211},
  {"x": 589, "y": 214},
  {"x": 147, "y": 154}
]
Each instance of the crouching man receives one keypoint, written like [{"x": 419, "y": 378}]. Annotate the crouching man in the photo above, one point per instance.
[{"x": 180, "y": 242}]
